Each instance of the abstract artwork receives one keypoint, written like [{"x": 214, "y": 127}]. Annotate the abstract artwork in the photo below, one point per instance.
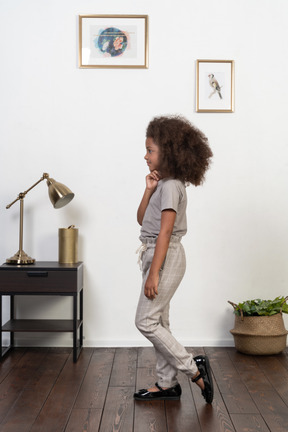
[
  {"x": 113, "y": 41},
  {"x": 215, "y": 86}
]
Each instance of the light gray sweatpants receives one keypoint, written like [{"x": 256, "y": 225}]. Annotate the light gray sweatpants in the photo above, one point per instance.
[{"x": 152, "y": 316}]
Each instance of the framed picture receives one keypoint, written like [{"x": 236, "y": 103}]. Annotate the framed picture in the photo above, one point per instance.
[
  {"x": 215, "y": 86},
  {"x": 113, "y": 41}
]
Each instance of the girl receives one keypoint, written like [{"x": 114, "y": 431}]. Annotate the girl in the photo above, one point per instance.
[{"x": 177, "y": 154}]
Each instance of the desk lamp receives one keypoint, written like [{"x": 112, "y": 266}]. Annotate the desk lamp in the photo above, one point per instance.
[{"x": 59, "y": 195}]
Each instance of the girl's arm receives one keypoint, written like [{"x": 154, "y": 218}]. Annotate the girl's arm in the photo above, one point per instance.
[
  {"x": 151, "y": 184},
  {"x": 167, "y": 223}
]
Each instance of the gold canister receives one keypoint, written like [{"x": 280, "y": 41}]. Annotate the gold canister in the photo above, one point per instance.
[{"x": 68, "y": 245}]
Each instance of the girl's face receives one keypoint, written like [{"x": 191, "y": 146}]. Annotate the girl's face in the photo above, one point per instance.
[{"x": 152, "y": 156}]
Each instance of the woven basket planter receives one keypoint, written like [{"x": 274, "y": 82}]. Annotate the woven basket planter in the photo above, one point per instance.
[{"x": 260, "y": 335}]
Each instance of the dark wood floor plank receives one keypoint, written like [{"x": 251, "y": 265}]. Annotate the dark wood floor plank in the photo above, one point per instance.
[
  {"x": 146, "y": 362},
  {"x": 212, "y": 417},
  {"x": 146, "y": 357},
  {"x": 269, "y": 403},
  {"x": 42, "y": 390},
  {"x": 146, "y": 378},
  {"x": 249, "y": 423},
  {"x": 95, "y": 384},
  {"x": 9, "y": 361},
  {"x": 84, "y": 420},
  {"x": 234, "y": 393},
  {"x": 283, "y": 358},
  {"x": 195, "y": 351},
  {"x": 276, "y": 373},
  {"x": 272, "y": 409},
  {"x": 124, "y": 368},
  {"x": 14, "y": 384},
  {"x": 57, "y": 408},
  {"x": 23, "y": 413},
  {"x": 119, "y": 410},
  {"x": 150, "y": 416},
  {"x": 249, "y": 371},
  {"x": 181, "y": 415}
]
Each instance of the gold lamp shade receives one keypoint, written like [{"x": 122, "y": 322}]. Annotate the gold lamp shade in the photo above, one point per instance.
[{"x": 59, "y": 195}]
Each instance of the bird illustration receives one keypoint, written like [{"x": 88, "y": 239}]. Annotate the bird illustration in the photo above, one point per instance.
[{"x": 215, "y": 85}]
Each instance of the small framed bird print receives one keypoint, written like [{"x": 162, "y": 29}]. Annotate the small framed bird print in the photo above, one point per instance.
[{"x": 215, "y": 86}]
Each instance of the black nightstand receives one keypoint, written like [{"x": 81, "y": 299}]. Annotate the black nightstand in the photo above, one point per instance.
[{"x": 43, "y": 278}]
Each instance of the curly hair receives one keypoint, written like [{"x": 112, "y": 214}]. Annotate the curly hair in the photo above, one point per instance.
[{"x": 184, "y": 150}]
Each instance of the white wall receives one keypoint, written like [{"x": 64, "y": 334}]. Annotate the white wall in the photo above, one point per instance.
[{"x": 86, "y": 128}]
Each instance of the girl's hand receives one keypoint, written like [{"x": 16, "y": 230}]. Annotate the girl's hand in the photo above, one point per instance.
[
  {"x": 152, "y": 179},
  {"x": 151, "y": 287},
  {"x": 151, "y": 184},
  {"x": 168, "y": 218}
]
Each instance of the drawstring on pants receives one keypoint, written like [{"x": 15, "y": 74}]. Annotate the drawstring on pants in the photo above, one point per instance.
[
  {"x": 148, "y": 242},
  {"x": 140, "y": 252}
]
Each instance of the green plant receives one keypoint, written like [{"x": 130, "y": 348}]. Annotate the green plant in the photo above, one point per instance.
[{"x": 261, "y": 307}]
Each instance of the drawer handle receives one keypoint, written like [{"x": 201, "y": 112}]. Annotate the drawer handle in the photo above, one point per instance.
[{"x": 37, "y": 274}]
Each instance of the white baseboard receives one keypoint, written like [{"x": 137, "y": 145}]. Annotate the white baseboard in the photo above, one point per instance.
[
  {"x": 143, "y": 343},
  {"x": 59, "y": 340}
]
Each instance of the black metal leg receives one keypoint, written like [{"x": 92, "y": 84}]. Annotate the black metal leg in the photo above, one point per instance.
[
  {"x": 12, "y": 317},
  {"x": 81, "y": 318},
  {"x": 4, "y": 350},
  {"x": 75, "y": 328},
  {"x": 77, "y": 348},
  {"x": 1, "y": 326}
]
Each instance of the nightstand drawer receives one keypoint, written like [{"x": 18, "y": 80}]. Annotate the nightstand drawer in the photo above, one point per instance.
[{"x": 37, "y": 281}]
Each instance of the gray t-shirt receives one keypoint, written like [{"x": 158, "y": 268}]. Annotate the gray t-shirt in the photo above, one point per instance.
[{"x": 169, "y": 194}]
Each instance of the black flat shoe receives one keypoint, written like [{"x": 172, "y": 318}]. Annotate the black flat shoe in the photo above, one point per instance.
[
  {"x": 204, "y": 368},
  {"x": 172, "y": 393}
]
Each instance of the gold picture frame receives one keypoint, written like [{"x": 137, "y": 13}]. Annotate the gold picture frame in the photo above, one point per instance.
[
  {"x": 215, "y": 86},
  {"x": 113, "y": 41}
]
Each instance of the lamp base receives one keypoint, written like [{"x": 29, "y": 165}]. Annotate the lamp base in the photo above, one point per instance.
[{"x": 20, "y": 258}]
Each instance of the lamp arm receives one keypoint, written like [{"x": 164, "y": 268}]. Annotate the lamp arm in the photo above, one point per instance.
[{"x": 23, "y": 194}]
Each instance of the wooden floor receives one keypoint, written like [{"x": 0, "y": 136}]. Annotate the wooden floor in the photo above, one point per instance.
[{"x": 43, "y": 390}]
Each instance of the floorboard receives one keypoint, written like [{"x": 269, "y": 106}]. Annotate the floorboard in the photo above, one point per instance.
[
  {"x": 22, "y": 414},
  {"x": 42, "y": 390}
]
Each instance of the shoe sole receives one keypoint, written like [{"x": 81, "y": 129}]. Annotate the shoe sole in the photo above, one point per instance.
[
  {"x": 209, "y": 375},
  {"x": 157, "y": 399}
]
